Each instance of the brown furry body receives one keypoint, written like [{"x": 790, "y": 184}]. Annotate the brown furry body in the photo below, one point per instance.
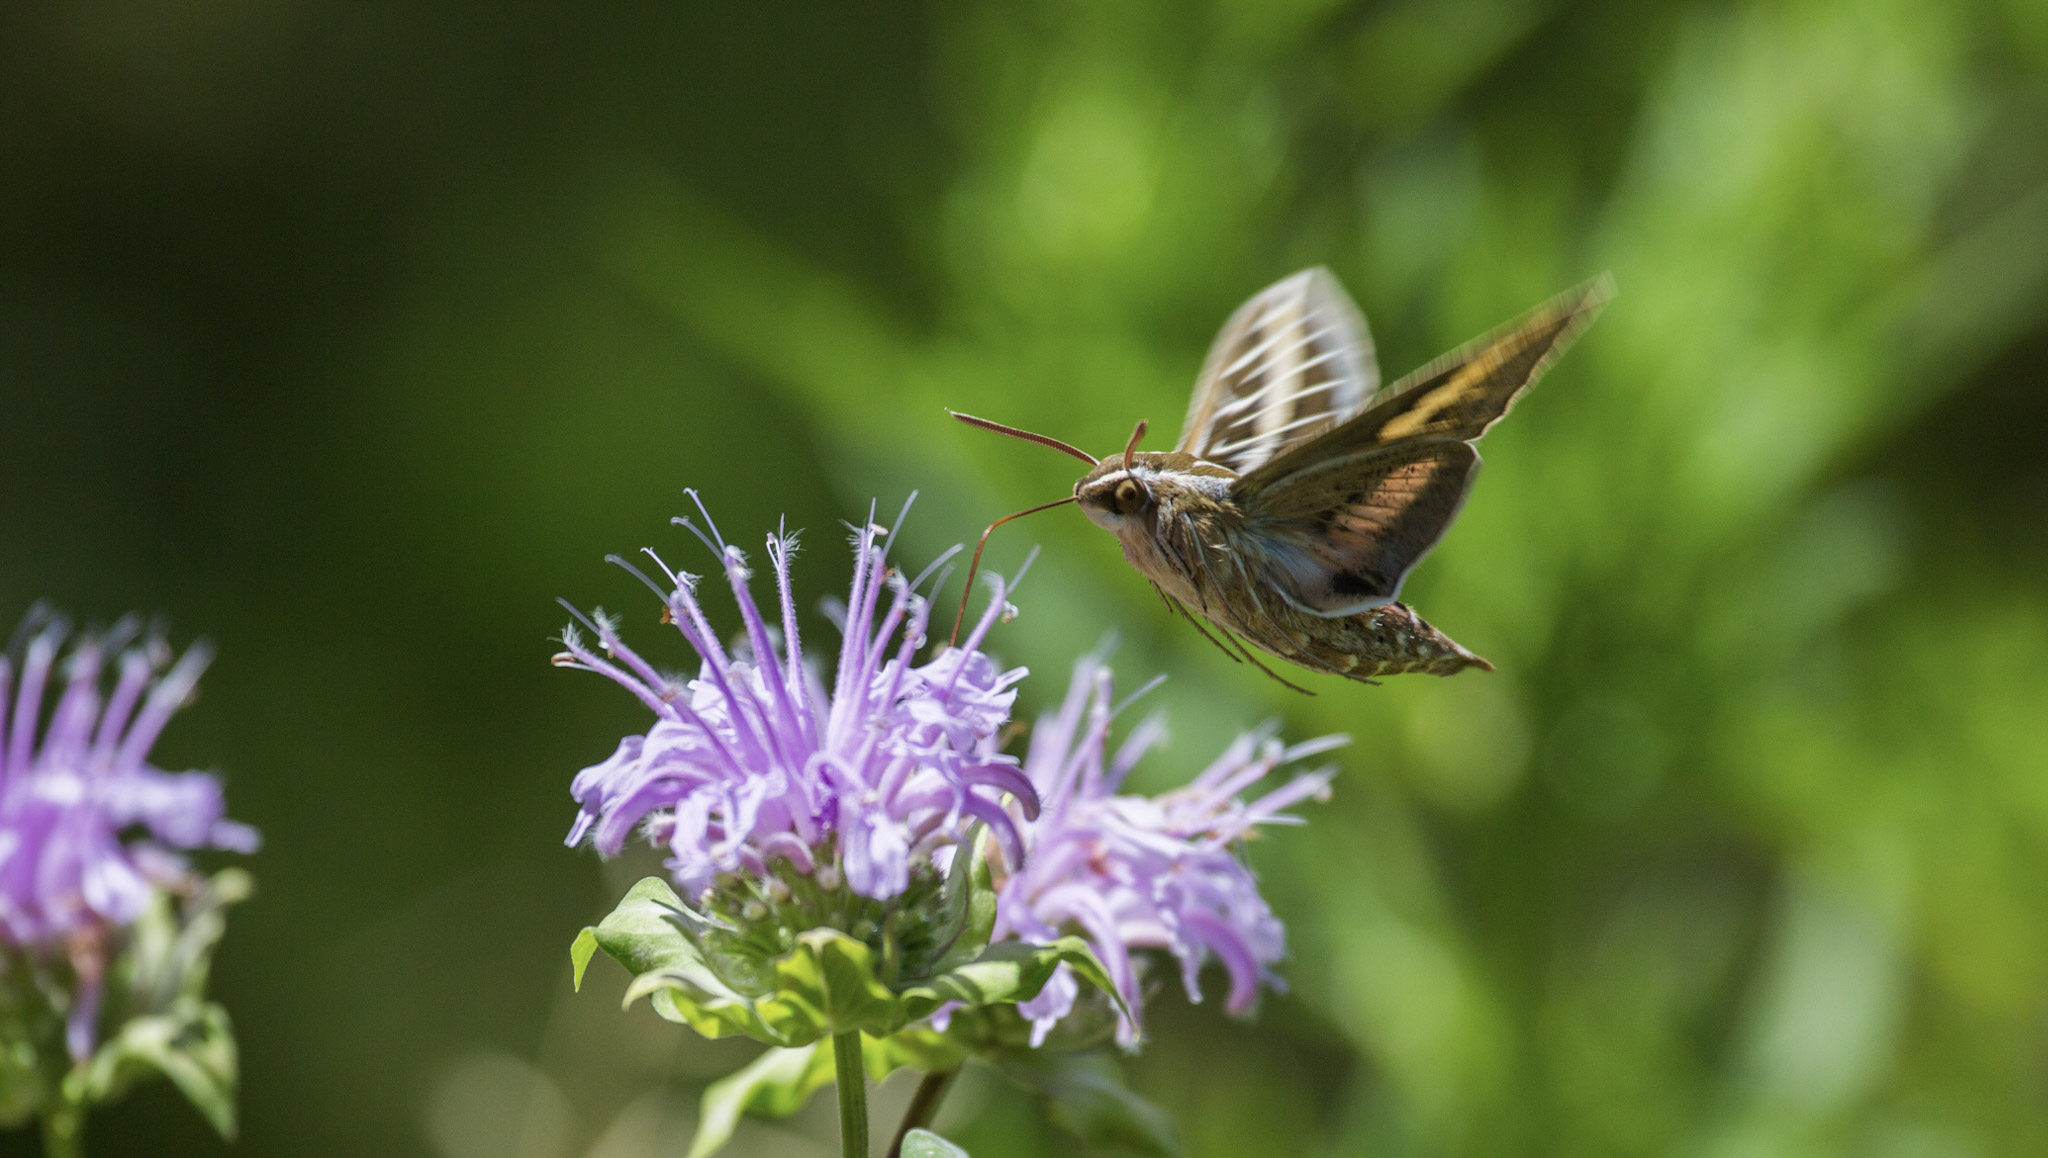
[{"x": 1200, "y": 555}]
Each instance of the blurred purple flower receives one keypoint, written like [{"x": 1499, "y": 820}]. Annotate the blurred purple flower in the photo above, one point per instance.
[
  {"x": 1136, "y": 872},
  {"x": 89, "y": 829},
  {"x": 755, "y": 760}
]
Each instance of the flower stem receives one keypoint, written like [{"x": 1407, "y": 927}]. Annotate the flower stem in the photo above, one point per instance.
[
  {"x": 853, "y": 1095},
  {"x": 64, "y": 1132},
  {"x": 924, "y": 1106}
]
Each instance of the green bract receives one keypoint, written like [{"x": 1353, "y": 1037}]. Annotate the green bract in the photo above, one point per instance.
[
  {"x": 1077, "y": 1079},
  {"x": 719, "y": 983},
  {"x": 925, "y": 1144},
  {"x": 159, "y": 1019}
]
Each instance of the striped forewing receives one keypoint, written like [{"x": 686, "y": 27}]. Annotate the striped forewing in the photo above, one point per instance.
[{"x": 1292, "y": 363}]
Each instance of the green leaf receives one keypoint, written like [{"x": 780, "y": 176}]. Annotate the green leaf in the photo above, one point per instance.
[
  {"x": 1009, "y": 972},
  {"x": 925, "y": 1144},
  {"x": 776, "y": 1084},
  {"x": 580, "y": 953},
  {"x": 645, "y": 933},
  {"x": 780, "y": 1081},
  {"x": 1085, "y": 1095},
  {"x": 917, "y": 1047},
  {"x": 193, "y": 1045},
  {"x": 1082, "y": 960},
  {"x": 156, "y": 998},
  {"x": 827, "y": 983},
  {"x": 205, "y": 921},
  {"x": 977, "y": 901},
  {"x": 170, "y": 951},
  {"x": 850, "y": 995}
]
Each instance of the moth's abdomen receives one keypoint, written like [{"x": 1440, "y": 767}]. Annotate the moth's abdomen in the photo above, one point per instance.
[
  {"x": 1393, "y": 640},
  {"x": 1386, "y": 641}
]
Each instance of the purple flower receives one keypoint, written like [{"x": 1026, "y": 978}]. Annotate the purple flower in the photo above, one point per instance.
[
  {"x": 756, "y": 760},
  {"x": 1135, "y": 872},
  {"x": 89, "y": 829}
]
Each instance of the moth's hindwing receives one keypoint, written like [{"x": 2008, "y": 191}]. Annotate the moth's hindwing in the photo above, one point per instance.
[
  {"x": 1350, "y": 512},
  {"x": 1339, "y": 536}
]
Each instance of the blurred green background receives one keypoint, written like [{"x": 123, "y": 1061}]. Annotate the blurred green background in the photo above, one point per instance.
[{"x": 350, "y": 334}]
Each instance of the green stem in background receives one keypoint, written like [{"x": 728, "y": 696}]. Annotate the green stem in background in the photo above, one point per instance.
[
  {"x": 924, "y": 1106},
  {"x": 64, "y": 1132},
  {"x": 853, "y": 1095}
]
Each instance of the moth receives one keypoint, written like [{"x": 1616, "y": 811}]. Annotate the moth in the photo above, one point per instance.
[{"x": 1300, "y": 494}]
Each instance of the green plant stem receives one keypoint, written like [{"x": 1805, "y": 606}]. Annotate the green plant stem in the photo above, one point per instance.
[
  {"x": 64, "y": 1132},
  {"x": 924, "y": 1106},
  {"x": 853, "y": 1095}
]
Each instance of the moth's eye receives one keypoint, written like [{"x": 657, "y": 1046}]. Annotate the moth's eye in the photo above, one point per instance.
[{"x": 1127, "y": 495}]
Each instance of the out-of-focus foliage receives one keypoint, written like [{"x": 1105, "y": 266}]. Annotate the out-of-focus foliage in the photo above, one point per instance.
[{"x": 352, "y": 333}]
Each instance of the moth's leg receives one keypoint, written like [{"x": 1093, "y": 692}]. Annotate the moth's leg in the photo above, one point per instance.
[
  {"x": 1288, "y": 649},
  {"x": 1201, "y": 550},
  {"x": 1295, "y": 651},
  {"x": 1163, "y": 596},
  {"x": 1247, "y": 653},
  {"x": 1202, "y": 556},
  {"x": 1175, "y": 605},
  {"x": 1180, "y": 564}
]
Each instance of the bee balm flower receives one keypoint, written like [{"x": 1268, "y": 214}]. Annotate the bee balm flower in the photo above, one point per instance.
[
  {"x": 90, "y": 831},
  {"x": 758, "y": 762},
  {"x": 1137, "y": 872}
]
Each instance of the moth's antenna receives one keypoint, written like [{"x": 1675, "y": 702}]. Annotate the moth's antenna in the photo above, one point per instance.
[
  {"x": 974, "y": 566},
  {"x": 1027, "y": 436},
  {"x": 1132, "y": 445}
]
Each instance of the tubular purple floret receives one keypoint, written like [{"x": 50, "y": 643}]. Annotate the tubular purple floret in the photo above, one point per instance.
[
  {"x": 780, "y": 548},
  {"x": 35, "y": 672},
  {"x": 590, "y": 661},
  {"x": 672, "y": 707},
  {"x": 857, "y": 615},
  {"x": 765, "y": 660},
  {"x": 696, "y": 631},
  {"x": 1134, "y": 872},
  {"x": 1143, "y": 738},
  {"x": 121, "y": 705},
  {"x": 608, "y": 638},
  {"x": 998, "y": 597},
  {"x": 755, "y": 760},
  {"x": 91, "y": 831},
  {"x": 70, "y": 722},
  {"x": 896, "y": 671},
  {"x": 938, "y": 566},
  {"x": 171, "y": 693},
  {"x": 870, "y": 664},
  {"x": 698, "y": 501},
  {"x": 6, "y": 714}
]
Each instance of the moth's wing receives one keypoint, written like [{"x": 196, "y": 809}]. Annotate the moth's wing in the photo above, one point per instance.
[
  {"x": 1458, "y": 396},
  {"x": 1338, "y": 536},
  {"x": 1290, "y": 364}
]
